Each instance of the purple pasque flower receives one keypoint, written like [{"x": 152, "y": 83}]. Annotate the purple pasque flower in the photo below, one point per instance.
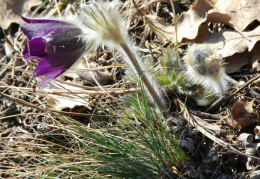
[{"x": 57, "y": 44}]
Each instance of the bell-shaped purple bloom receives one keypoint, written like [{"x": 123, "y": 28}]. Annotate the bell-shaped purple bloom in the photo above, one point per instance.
[{"x": 57, "y": 44}]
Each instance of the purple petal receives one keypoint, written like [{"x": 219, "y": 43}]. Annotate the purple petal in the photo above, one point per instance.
[
  {"x": 49, "y": 65},
  {"x": 44, "y": 68},
  {"x": 36, "y": 20},
  {"x": 34, "y": 49},
  {"x": 53, "y": 66},
  {"x": 64, "y": 41},
  {"x": 40, "y": 27},
  {"x": 50, "y": 77}
]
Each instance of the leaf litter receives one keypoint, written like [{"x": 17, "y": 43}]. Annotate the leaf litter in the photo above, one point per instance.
[
  {"x": 236, "y": 41},
  {"x": 228, "y": 41}
]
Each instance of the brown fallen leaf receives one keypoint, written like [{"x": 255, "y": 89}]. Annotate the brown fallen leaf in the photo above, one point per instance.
[
  {"x": 188, "y": 23},
  {"x": 227, "y": 42},
  {"x": 61, "y": 96},
  {"x": 242, "y": 12},
  {"x": 244, "y": 109},
  {"x": 11, "y": 11},
  {"x": 236, "y": 61},
  {"x": 257, "y": 132},
  {"x": 164, "y": 31},
  {"x": 242, "y": 114},
  {"x": 62, "y": 101},
  {"x": 215, "y": 16}
]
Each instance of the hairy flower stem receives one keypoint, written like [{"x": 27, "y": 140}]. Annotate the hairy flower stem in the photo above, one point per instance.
[{"x": 151, "y": 88}]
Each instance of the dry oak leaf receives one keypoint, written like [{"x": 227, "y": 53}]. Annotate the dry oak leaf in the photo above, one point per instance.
[
  {"x": 215, "y": 16},
  {"x": 236, "y": 61},
  {"x": 227, "y": 42},
  {"x": 187, "y": 25},
  {"x": 242, "y": 114},
  {"x": 242, "y": 12},
  {"x": 11, "y": 11}
]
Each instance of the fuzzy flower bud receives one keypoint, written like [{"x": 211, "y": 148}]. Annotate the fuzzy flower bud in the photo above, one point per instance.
[
  {"x": 205, "y": 67},
  {"x": 57, "y": 44},
  {"x": 104, "y": 22}
]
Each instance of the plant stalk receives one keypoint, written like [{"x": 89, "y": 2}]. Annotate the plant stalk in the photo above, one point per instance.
[{"x": 151, "y": 88}]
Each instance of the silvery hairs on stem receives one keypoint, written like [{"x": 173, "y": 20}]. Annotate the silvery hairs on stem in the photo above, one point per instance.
[{"x": 105, "y": 25}]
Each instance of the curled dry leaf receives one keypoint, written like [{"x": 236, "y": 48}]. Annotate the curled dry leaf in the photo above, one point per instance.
[
  {"x": 245, "y": 139},
  {"x": 64, "y": 99},
  {"x": 257, "y": 132},
  {"x": 244, "y": 109},
  {"x": 251, "y": 149},
  {"x": 11, "y": 11},
  {"x": 242, "y": 114},
  {"x": 254, "y": 174},
  {"x": 189, "y": 23},
  {"x": 187, "y": 145},
  {"x": 250, "y": 161}
]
